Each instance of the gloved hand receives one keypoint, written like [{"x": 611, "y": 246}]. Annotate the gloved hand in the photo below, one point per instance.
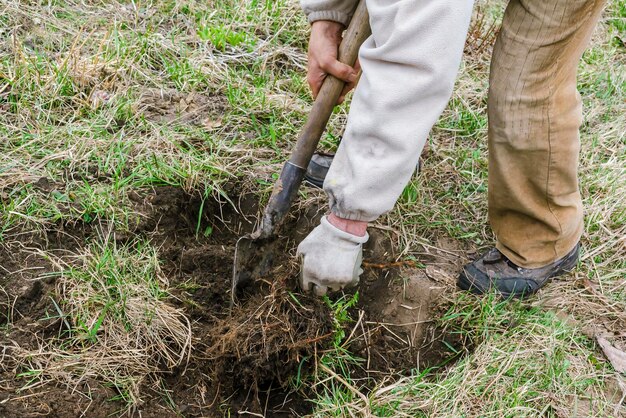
[{"x": 330, "y": 259}]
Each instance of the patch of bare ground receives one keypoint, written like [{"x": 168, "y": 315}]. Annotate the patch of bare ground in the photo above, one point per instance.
[
  {"x": 171, "y": 106},
  {"x": 244, "y": 360},
  {"x": 398, "y": 306}
]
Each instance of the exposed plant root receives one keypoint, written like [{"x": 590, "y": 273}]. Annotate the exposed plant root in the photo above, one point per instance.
[{"x": 268, "y": 337}]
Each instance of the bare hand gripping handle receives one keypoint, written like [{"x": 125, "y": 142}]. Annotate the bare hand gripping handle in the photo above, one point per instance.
[{"x": 287, "y": 185}]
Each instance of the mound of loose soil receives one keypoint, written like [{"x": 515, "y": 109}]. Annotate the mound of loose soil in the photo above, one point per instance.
[{"x": 244, "y": 358}]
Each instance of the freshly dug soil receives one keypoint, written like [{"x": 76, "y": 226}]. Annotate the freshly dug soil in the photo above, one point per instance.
[{"x": 245, "y": 358}]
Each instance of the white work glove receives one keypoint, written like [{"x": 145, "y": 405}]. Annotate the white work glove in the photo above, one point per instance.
[{"x": 330, "y": 259}]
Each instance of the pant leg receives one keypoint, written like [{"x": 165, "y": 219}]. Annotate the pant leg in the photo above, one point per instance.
[
  {"x": 535, "y": 112},
  {"x": 409, "y": 66}
]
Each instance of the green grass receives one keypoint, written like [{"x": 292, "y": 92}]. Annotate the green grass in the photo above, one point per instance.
[
  {"x": 118, "y": 327},
  {"x": 527, "y": 362},
  {"x": 49, "y": 100},
  {"x": 617, "y": 17},
  {"x": 522, "y": 360},
  {"x": 244, "y": 62},
  {"x": 333, "y": 384},
  {"x": 110, "y": 278}
]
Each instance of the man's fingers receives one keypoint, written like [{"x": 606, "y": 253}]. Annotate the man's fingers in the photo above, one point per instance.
[
  {"x": 315, "y": 88},
  {"x": 340, "y": 70},
  {"x": 349, "y": 86},
  {"x": 311, "y": 286},
  {"x": 315, "y": 80},
  {"x": 316, "y": 76}
]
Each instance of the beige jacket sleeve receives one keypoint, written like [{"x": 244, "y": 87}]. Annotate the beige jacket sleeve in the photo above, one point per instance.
[
  {"x": 335, "y": 10},
  {"x": 409, "y": 66}
]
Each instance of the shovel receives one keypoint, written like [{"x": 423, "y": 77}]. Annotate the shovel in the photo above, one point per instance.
[{"x": 254, "y": 252}]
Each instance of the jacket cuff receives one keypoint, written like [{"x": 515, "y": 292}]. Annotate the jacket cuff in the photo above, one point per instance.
[
  {"x": 331, "y": 231},
  {"x": 332, "y": 15},
  {"x": 352, "y": 216}
]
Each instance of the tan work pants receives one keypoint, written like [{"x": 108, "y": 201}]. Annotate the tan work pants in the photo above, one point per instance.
[
  {"x": 409, "y": 65},
  {"x": 535, "y": 112}
]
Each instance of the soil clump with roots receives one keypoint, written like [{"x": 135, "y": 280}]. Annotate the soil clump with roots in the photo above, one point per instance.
[{"x": 250, "y": 357}]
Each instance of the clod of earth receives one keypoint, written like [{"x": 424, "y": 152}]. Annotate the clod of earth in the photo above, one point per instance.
[{"x": 198, "y": 349}]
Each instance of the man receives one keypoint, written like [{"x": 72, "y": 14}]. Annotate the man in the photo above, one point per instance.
[{"x": 409, "y": 64}]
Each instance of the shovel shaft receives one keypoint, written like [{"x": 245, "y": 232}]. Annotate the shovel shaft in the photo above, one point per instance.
[
  {"x": 286, "y": 188},
  {"x": 326, "y": 100}
]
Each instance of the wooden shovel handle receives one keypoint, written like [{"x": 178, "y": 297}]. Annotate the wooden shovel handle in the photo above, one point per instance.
[
  {"x": 357, "y": 32},
  {"x": 286, "y": 187}
]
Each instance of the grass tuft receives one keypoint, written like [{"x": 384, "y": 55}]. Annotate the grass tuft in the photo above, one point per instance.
[{"x": 116, "y": 324}]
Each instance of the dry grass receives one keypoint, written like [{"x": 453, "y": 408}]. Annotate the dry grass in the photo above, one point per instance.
[
  {"x": 116, "y": 326},
  {"x": 515, "y": 352},
  {"x": 104, "y": 100},
  {"x": 141, "y": 109}
]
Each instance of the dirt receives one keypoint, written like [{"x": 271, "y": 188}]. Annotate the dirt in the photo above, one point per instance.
[
  {"x": 244, "y": 359},
  {"x": 171, "y": 106}
]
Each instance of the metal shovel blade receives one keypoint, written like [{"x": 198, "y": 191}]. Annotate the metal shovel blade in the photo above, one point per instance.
[
  {"x": 253, "y": 259},
  {"x": 254, "y": 252}
]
